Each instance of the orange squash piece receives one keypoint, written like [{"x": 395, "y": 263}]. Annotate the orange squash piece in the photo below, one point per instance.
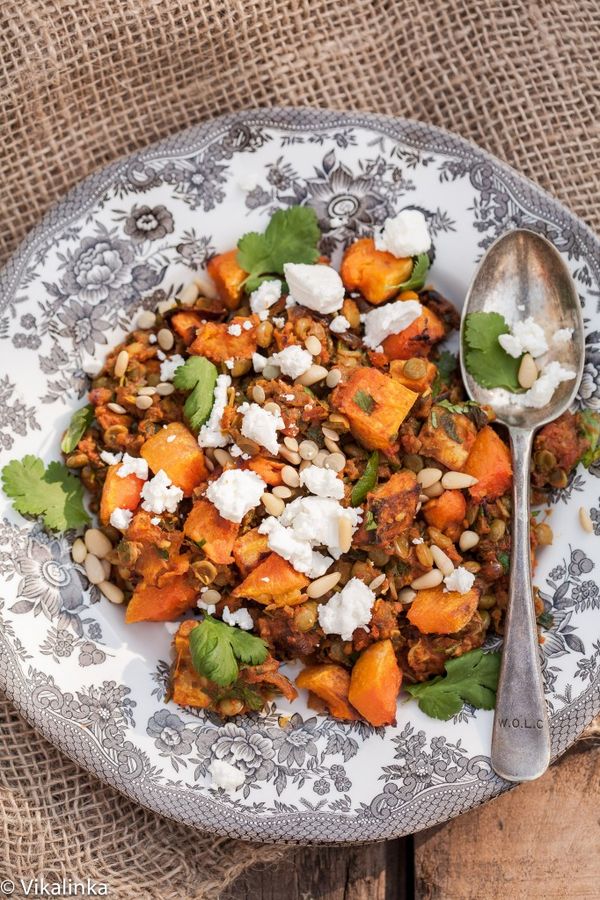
[
  {"x": 435, "y": 611},
  {"x": 186, "y": 323},
  {"x": 448, "y": 509},
  {"x": 228, "y": 277},
  {"x": 375, "y": 684},
  {"x": 249, "y": 549},
  {"x": 187, "y": 684},
  {"x": 419, "y": 385},
  {"x": 119, "y": 493},
  {"x": 151, "y": 603},
  {"x": 393, "y": 506},
  {"x": 180, "y": 457},
  {"x": 268, "y": 469},
  {"x": 376, "y": 274},
  {"x": 490, "y": 462},
  {"x": 416, "y": 340},
  {"x": 205, "y": 524},
  {"x": 215, "y": 341},
  {"x": 273, "y": 581},
  {"x": 331, "y": 684},
  {"x": 435, "y": 440},
  {"x": 375, "y": 404}
]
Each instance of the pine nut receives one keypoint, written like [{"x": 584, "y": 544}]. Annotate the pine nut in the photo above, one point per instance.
[
  {"x": 290, "y": 477},
  {"x": 344, "y": 533},
  {"x": 258, "y": 394},
  {"x": 455, "y": 481},
  {"x": 321, "y": 585},
  {"x": 146, "y": 391},
  {"x": 468, "y": 540},
  {"x": 406, "y": 595},
  {"x": 313, "y": 345},
  {"x": 165, "y": 339},
  {"x": 223, "y": 457},
  {"x": 116, "y": 408},
  {"x": 164, "y": 389},
  {"x": 94, "y": 569},
  {"x": 112, "y": 592},
  {"x": 427, "y": 477},
  {"x": 210, "y": 596},
  {"x": 335, "y": 461},
  {"x": 428, "y": 580},
  {"x": 165, "y": 305},
  {"x": 320, "y": 458},
  {"x": 273, "y": 408},
  {"x": 189, "y": 294},
  {"x": 78, "y": 551},
  {"x": 283, "y": 491},
  {"x": 443, "y": 562},
  {"x": 273, "y": 505},
  {"x": 304, "y": 465},
  {"x": 97, "y": 543},
  {"x": 143, "y": 402},
  {"x": 377, "y": 582},
  {"x": 308, "y": 449},
  {"x": 423, "y": 498},
  {"x": 330, "y": 433},
  {"x": 107, "y": 568},
  {"x": 146, "y": 320},
  {"x": 585, "y": 520},
  {"x": 312, "y": 375},
  {"x": 209, "y": 464},
  {"x": 333, "y": 379},
  {"x": 291, "y": 443},
  {"x": 290, "y": 455},
  {"x": 121, "y": 363},
  {"x": 332, "y": 446},
  {"x": 436, "y": 490},
  {"x": 528, "y": 373}
]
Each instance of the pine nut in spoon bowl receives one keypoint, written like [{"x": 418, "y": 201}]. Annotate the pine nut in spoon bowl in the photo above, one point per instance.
[{"x": 523, "y": 271}]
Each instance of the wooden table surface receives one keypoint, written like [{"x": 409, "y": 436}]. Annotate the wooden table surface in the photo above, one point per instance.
[{"x": 541, "y": 840}]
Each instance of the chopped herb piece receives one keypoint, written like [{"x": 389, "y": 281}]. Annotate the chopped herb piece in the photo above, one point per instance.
[
  {"x": 504, "y": 560},
  {"x": 486, "y": 361},
  {"x": 450, "y": 428},
  {"x": 545, "y": 620},
  {"x": 217, "y": 649},
  {"x": 416, "y": 281},
  {"x": 291, "y": 236},
  {"x": 199, "y": 376},
  {"x": 51, "y": 492},
  {"x": 364, "y": 400},
  {"x": 590, "y": 426},
  {"x": 460, "y": 408},
  {"x": 81, "y": 421},
  {"x": 370, "y": 522},
  {"x": 471, "y": 678},
  {"x": 367, "y": 480}
]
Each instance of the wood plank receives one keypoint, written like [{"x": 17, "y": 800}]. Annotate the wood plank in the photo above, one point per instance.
[{"x": 542, "y": 840}]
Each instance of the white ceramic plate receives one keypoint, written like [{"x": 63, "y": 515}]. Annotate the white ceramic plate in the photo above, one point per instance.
[{"x": 95, "y": 687}]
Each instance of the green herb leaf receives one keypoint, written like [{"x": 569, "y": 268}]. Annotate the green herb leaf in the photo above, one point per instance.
[
  {"x": 364, "y": 400},
  {"x": 446, "y": 367},
  {"x": 52, "y": 492},
  {"x": 545, "y": 620},
  {"x": 217, "y": 647},
  {"x": 418, "y": 274},
  {"x": 450, "y": 428},
  {"x": 460, "y": 408},
  {"x": 590, "y": 427},
  {"x": 199, "y": 376},
  {"x": 486, "y": 361},
  {"x": 367, "y": 480},
  {"x": 504, "y": 560},
  {"x": 370, "y": 521},
  {"x": 471, "y": 678},
  {"x": 292, "y": 235},
  {"x": 81, "y": 421}
]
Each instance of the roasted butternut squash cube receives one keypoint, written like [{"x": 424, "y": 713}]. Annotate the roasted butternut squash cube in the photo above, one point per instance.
[
  {"x": 228, "y": 277},
  {"x": 188, "y": 687},
  {"x": 448, "y": 509},
  {"x": 375, "y": 405},
  {"x": 249, "y": 549},
  {"x": 273, "y": 581},
  {"x": 490, "y": 462},
  {"x": 420, "y": 384},
  {"x": 376, "y": 274},
  {"x": 331, "y": 684},
  {"x": 151, "y": 603},
  {"x": 119, "y": 493},
  {"x": 449, "y": 440},
  {"x": 175, "y": 450},
  {"x": 375, "y": 684},
  {"x": 268, "y": 469},
  {"x": 217, "y": 342},
  {"x": 436, "y": 611},
  {"x": 186, "y": 323},
  {"x": 204, "y": 524},
  {"x": 416, "y": 340},
  {"x": 393, "y": 507}
]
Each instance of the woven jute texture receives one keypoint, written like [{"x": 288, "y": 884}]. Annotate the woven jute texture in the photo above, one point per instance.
[{"x": 85, "y": 81}]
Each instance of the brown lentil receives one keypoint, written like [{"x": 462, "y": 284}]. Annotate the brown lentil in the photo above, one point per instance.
[
  {"x": 414, "y": 368},
  {"x": 414, "y": 462},
  {"x": 230, "y": 706},
  {"x": 486, "y": 601},
  {"x": 264, "y": 334}
]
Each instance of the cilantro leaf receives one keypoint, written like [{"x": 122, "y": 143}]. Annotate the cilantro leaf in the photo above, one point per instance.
[
  {"x": 590, "y": 428},
  {"x": 418, "y": 274},
  {"x": 364, "y": 400},
  {"x": 80, "y": 422},
  {"x": 199, "y": 376},
  {"x": 52, "y": 492},
  {"x": 471, "y": 678},
  {"x": 292, "y": 235},
  {"x": 367, "y": 480},
  {"x": 486, "y": 361},
  {"x": 216, "y": 648}
]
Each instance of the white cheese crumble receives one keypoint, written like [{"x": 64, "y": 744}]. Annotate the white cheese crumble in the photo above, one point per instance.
[
  {"x": 261, "y": 425},
  {"x": 322, "y": 482},
  {"x": 241, "y": 618},
  {"x": 265, "y": 296},
  {"x": 525, "y": 337},
  {"x": 316, "y": 520},
  {"x": 170, "y": 366},
  {"x": 348, "y": 610},
  {"x": 259, "y": 362},
  {"x": 235, "y": 329},
  {"x": 226, "y": 776},
  {"x": 460, "y": 580},
  {"x": 417, "y": 541},
  {"x": 293, "y": 361},
  {"x": 155, "y": 520},
  {"x": 543, "y": 389},
  {"x": 389, "y": 319},
  {"x": 230, "y": 363},
  {"x": 404, "y": 235},
  {"x": 238, "y": 452},
  {"x": 120, "y": 518},
  {"x": 111, "y": 459},
  {"x": 296, "y": 550},
  {"x": 339, "y": 325},
  {"x": 209, "y": 608},
  {"x": 278, "y": 321},
  {"x": 562, "y": 337},
  {"x": 316, "y": 287},
  {"x": 210, "y": 434},
  {"x": 235, "y": 493},
  {"x": 160, "y": 494},
  {"x": 172, "y": 627},
  {"x": 133, "y": 465},
  {"x": 247, "y": 325},
  {"x": 171, "y": 438},
  {"x": 152, "y": 339}
]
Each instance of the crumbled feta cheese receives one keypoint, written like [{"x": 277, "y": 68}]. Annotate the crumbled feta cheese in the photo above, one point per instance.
[
  {"x": 389, "y": 319},
  {"x": 510, "y": 345},
  {"x": 111, "y": 459},
  {"x": 265, "y": 296},
  {"x": 241, "y": 618},
  {"x": 460, "y": 580},
  {"x": 226, "y": 776},
  {"x": 230, "y": 363},
  {"x": 170, "y": 366},
  {"x": 133, "y": 465},
  {"x": 287, "y": 397},
  {"x": 316, "y": 519},
  {"x": 209, "y": 608},
  {"x": 406, "y": 234},
  {"x": 293, "y": 360},
  {"x": 278, "y": 321},
  {"x": 235, "y": 329},
  {"x": 295, "y": 550},
  {"x": 160, "y": 494},
  {"x": 210, "y": 434},
  {"x": 161, "y": 355},
  {"x": 247, "y": 325},
  {"x": 339, "y": 325},
  {"x": 121, "y": 518},
  {"x": 235, "y": 493},
  {"x": 562, "y": 337},
  {"x": 417, "y": 541},
  {"x": 526, "y": 337},
  {"x": 259, "y": 362},
  {"x": 261, "y": 425},
  {"x": 238, "y": 452},
  {"x": 152, "y": 339},
  {"x": 171, "y": 438},
  {"x": 155, "y": 520},
  {"x": 542, "y": 391},
  {"x": 316, "y": 287},
  {"x": 322, "y": 482},
  {"x": 348, "y": 610}
]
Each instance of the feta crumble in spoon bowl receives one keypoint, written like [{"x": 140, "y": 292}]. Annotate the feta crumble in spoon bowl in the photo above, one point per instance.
[{"x": 522, "y": 353}]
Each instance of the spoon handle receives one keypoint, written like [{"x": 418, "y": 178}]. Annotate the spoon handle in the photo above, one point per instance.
[{"x": 521, "y": 736}]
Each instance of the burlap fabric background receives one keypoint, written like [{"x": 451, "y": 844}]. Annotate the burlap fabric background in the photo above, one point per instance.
[{"x": 84, "y": 81}]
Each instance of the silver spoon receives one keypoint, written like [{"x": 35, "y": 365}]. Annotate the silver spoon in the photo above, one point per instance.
[{"x": 523, "y": 275}]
